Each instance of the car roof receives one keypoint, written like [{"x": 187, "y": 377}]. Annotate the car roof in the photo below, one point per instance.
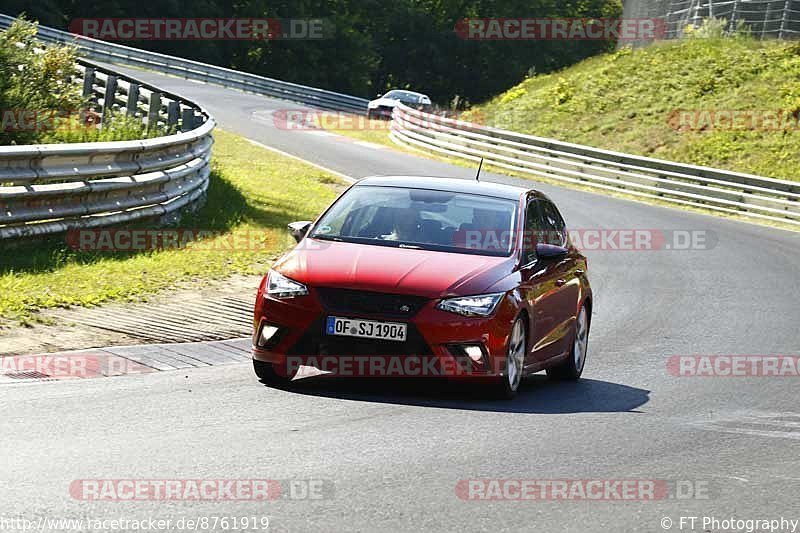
[
  {"x": 406, "y": 91},
  {"x": 484, "y": 188}
]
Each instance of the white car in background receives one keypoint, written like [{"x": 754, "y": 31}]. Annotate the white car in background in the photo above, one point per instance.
[{"x": 384, "y": 104}]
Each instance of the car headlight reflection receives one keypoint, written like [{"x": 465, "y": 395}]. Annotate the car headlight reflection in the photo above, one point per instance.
[
  {"x": 279, "y": 286},
  {"x": 481, "y": 305}
]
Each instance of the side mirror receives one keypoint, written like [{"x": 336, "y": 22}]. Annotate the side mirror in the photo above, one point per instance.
[
  {"x": 378, "y": 95},
  {"x": 550, "y": 251},
  {"x": 299, "y": 229}
]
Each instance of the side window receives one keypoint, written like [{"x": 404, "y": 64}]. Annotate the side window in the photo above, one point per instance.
[
  {"x": 533, "y": 230},
  {"x": 555, "y": 231}
]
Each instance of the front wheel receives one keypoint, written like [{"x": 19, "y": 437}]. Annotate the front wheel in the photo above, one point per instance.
[
  {"x": 572, "y": 367},
  {"x": 509, "y": 382},
  {"x": 267, "y": 374}
]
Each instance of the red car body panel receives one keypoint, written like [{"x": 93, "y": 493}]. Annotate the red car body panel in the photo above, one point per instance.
[
  {"x": 548, "y": 293},
  {"x": 392, "y": 270}
]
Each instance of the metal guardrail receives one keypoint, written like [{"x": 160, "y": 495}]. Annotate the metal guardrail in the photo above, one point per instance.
[
  {"x": 124, "y": 181},
  {"x": 195, "y": 70},
  {"x": 52, "y": 188},
  {"x": 709, "y": 188}
]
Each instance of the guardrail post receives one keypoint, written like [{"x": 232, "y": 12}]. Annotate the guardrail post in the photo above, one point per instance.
[
  {"x": 782, "y": 31},
  {"x": 173, "y": 110},
  {"x": 132, "y": 106},
  {"x": 155, "y": 109},
  {"x": 88, "y": 82},
  {"x": 187, "y": 119},
  {"x": 108, "y": 98}
]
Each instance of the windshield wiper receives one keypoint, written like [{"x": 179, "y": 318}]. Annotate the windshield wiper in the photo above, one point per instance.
[{"x": 327, "y": 238}]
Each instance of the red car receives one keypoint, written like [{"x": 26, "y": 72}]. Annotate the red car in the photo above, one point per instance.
[{"x": 428, "y": 276}]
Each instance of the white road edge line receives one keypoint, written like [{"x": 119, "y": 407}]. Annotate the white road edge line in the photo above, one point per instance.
[
  {"x": 345, "y": 177},
  {"x": 372, "y": 145}
]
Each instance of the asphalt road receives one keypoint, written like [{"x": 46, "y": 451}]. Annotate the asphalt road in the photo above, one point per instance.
[{"x": 394, "y": 453}]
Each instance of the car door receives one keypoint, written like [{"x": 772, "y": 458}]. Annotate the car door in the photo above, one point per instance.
[
  {"x": 539, "y": 287},
  {"x": 562, "y": 302}
]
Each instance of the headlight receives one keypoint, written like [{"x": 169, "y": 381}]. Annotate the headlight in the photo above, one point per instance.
[
  {"x": 482, "y": 305},
  {"x": 279, "y": 286}
]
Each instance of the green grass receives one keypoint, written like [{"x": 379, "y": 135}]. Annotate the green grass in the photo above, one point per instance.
[
  {"x": 623, "y": 101},
  {"x": 252, "y": 195},
  {"x": 358, "y": 127},
  {"x": 119, "y": 127}
]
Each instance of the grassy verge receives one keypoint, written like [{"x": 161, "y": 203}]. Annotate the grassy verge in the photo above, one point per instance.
[
  {"x": 669, "y": 101},
  {"x": 252, "y": 195},
  {"x": 357, "y": 127},
  {"x": 666, "y": 101},
  {"x": 487, "y": 167},
  {"x": 378, "y": 136}
]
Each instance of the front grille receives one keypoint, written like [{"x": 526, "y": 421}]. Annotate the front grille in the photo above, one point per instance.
[
  {"x": 316, "y": 342},
  {"x": 370, "y": 303}
]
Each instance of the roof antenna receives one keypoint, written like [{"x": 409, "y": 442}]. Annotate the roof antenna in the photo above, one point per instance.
[{"x": 478, "y": 175}]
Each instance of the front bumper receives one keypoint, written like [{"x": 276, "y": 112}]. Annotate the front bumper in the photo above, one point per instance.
[{"x": 434, "y": 344}]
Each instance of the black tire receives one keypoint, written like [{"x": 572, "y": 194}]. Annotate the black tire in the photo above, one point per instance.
[
  {"x": 370, "y": 115},
  {"x": 571, "y": 369},
  {"x": 267, "y": 374},
  {"x": 504, "y": 389}
]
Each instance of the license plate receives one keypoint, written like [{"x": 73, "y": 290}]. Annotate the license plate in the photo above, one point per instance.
[{"x": 368, "y": 329}]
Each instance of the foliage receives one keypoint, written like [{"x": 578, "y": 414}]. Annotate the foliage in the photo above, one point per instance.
[
  {"x": 240, "y": 209},
  {"x": 716, "y": 28},
  {"x": 372, "y": 45},
  {"x": 33, "y": 83},
  {"x": 118, "y": 127},
  {"x": 629, "y": 101}
]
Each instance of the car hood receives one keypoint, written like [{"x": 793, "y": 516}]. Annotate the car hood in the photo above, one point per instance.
[{"x": 394, "y": 270}]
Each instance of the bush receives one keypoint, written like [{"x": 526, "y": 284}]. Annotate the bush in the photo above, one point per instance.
[
  {"x": 119, "y": 127},
  {"x": 35, "y": 84},
  {"x": 630, "y": 101}
]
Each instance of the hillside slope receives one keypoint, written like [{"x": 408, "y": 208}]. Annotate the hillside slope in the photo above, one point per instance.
[{"x": 670, "y": 100}]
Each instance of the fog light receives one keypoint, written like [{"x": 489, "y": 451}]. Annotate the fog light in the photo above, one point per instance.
[
  {"x": 269, "y": 336},
  {"x": 474, "y": 352},
  {"x": 267, "y": 332},
  {"x": 471, "y": 352}
]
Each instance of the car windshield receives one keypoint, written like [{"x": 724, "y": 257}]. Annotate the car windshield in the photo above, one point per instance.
[
  {"x": 421, "y": 218},
  {"x": 404, "y": 96}
]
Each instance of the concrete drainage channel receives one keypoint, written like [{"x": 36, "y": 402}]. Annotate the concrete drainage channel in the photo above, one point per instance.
[
  {"x": 225, "y": 317},
  {"x": 185, "y": 328},
  {"x": 123, "y": 360}
]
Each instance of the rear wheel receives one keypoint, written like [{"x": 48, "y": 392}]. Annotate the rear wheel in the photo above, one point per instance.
[
  {"x": 267, "y": 373},
  {"x": 572, "y": 367},
  {"x": 515, "y": 361}
]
